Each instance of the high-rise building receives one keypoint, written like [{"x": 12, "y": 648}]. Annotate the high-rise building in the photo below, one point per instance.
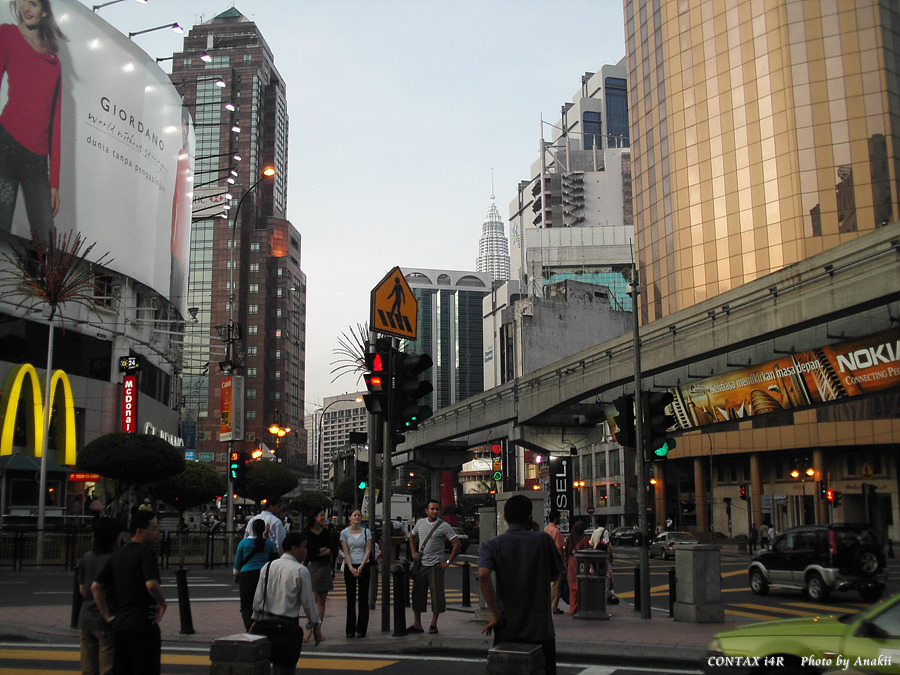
[
  {"x": 450, "y": 330},
  {"x": 572, "y": 219},
  {"x": 762, "y": 133},
  {"x": 493, "y": 247},
  {"x": 245, "y": 278},
  {"x": 339, "y": 416}
]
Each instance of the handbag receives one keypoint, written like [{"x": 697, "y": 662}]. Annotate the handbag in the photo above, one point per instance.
[
  {"x": 416, "y": 567},
  {"x": 273, "y": 625}
]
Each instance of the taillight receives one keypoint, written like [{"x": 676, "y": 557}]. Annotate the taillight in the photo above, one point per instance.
[{"x": 832, "y": 543}]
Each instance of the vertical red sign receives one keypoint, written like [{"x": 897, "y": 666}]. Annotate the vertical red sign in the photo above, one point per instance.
[{"x": 129, "y": 404}]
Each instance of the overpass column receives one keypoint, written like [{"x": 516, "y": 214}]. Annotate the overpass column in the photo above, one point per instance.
[
  {"x": 701, "y": 494},
  {"x": 756, "y": 489},
  {"x": 820, "y": 505}
]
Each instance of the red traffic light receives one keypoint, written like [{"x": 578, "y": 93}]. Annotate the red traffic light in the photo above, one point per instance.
[
  {"x": 377, "y": 364},
  {"x": 496, "y": 449},
  {"x": 829, "y": 495}
]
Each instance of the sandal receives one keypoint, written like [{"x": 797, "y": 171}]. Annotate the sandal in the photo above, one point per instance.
[
  {"x": 433, "y": 630},
  {"x": 414, "y": 629}
]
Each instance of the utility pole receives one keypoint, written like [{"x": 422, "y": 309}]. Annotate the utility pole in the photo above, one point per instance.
[{"x": 639, "y": 464}]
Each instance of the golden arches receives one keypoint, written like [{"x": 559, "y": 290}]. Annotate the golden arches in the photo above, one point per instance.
[{"x": 24, "y": 376}]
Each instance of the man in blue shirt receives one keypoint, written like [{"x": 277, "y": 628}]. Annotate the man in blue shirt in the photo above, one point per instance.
[{"x": 525, "y": 564}]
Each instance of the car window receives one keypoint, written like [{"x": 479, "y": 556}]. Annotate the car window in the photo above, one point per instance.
[
  {"x": 889, "y": 620},
  {"x": 806, "y": 541},
  {"x": 786, "y": 543}
]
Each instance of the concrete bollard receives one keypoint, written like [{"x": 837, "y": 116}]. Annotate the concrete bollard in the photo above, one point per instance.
[
  {"x": 512, "y": 658},
  {"x": 241, "y": 654}
]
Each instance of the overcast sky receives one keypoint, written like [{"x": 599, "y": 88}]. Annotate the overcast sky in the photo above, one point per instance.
[{"x": 399, "y": 111}]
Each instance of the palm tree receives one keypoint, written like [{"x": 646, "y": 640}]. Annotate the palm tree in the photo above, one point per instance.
[
  {"x": 352, "y": 352},
  {"x": 53, "y": 273}
]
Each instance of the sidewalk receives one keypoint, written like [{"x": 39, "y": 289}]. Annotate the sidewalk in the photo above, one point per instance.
[{"x": 625, "y": 635}]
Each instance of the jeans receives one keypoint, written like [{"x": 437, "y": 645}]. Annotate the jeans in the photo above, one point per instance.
[
  {"x": 21, "y": 167},
  {"x": 357, "y": 593},
  {"x": 97, "y": 652},
  {"x": 247, "y": 582}
]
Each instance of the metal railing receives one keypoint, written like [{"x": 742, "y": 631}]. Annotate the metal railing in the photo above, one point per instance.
[{"x": 63, "y": 548}]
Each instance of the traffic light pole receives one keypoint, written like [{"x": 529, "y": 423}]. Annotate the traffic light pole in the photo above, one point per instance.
[
  {"x": 639, "y": 463},
  {"x": 386, "y": 526}
]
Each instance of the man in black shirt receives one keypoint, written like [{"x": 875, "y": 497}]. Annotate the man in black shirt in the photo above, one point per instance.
[{"x": 129, "y": 597}]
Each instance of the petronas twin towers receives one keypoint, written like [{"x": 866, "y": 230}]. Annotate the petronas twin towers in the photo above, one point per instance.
[{"x": 493, "y": 247}]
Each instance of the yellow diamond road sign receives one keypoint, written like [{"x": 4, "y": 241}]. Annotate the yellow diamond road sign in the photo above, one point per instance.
[{"x": 394, "y": 307}]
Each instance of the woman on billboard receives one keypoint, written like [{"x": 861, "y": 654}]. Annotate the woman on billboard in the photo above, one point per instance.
[{"x": 30, "y": 121}]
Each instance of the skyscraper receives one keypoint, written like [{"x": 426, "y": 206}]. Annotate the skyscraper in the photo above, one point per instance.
[
  {"x": 763, "y": 133},
  {"x": 450, "y": 329},
  {"x": 493, "y": 247},
  {"x": 572, "y": 219},
  {"x": 245, "y": 267}
]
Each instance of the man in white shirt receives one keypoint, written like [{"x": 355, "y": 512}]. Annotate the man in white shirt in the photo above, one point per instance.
[
  {"x": 274, "y": 507},
  {"x": 427, "y": 541},
  {"x": 284, "y": 589}
]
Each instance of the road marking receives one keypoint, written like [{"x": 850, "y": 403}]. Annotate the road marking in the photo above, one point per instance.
[
  {"x": 748, "y": 615},
  {"x": 777, "y": 610},
  {"x": 831, "y": 609}
]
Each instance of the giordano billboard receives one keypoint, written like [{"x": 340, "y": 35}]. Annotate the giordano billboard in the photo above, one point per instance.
[{"x": 105, "y": 123}]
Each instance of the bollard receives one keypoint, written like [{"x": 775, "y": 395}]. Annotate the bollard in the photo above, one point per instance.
[
  {"x": 637, "y": 589},
  {"x": 671, "y": 591},
  {"x": 510, "y": 658},
  {"x": 400, "y": 591},
  {"x": 184, "y": 602},
  {"x": 76, "y": 602},
  {"x": 466, "y": 585},
  {"x": 241, "y": 654}
]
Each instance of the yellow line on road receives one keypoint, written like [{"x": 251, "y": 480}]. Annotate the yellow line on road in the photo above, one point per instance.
[
  {"x": 777, "y": 610},
  {"x": 748, "y": 615},
  {"x": 42, "y": 654}
]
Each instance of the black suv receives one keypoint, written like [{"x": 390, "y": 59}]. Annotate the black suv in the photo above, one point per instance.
[{"x": 819, "y": 559}]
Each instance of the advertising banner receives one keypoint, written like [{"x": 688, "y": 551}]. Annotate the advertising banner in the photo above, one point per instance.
[
  {"x": 225, "y": 410},
  {"x": 561, "y": 476},
  {"x": 840, "y": 371},
  {"x": 101, "y": 120},
  {"x": 129, "y": 404}
]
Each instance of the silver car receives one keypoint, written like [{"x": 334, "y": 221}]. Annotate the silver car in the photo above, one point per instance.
[{"x": 665, "y": 543}]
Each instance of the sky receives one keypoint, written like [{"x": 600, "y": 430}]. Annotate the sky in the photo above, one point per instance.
[{"x": 401, "y": 111}]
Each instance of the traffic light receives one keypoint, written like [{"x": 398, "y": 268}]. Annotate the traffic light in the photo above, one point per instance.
[
  {"x": 829, "y": 495},
  {"x": 406, "y": 410},
  {"x": 362, "y": 485},
  {"x": 823, "y": 489},
  {"x": 626, "y": 434},
  {"x": 497, "y": 462},
  {"x": 837, "y": 498},
  {"x": 378, "y": 377},
  {"x": 237, "y": 469},
  {"x": 657, "y": 423},
  {"x": 744, "y": 491}
]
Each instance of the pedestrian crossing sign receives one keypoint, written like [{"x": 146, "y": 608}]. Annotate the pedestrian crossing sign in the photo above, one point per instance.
[{"x": 394, "y": 308}]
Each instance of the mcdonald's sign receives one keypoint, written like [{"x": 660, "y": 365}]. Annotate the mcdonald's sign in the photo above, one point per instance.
[{"x": 23, "y": 380}]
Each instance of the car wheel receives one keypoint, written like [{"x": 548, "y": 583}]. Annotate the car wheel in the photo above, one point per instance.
[
  {"x": 866, "y": 563},
  {"x": 665, "y": 555},
  {"x": 871, "y": 593},
  {"x": 758, "y": 583},
  {"x": 816, "y": 588}
]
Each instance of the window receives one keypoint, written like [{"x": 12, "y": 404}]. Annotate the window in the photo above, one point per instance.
[
  {"x": 254, "y": 288},
  {"x": 254, "y": 246},
  {"x": 253, "y": 330},
  {"x": 277, "y": 353},
  {"x": 251, "y": 415},
  {"x": 251, "y": 372},
  {"x": 253, "y": 309},
  {"x": 591, "y": 129},
  {"x": 280, "y": 272},
  {"x": 278, "y": 332},
  {"x": 252, "y": 351},
  {"x": 276, "y": 375},
  {"x": 276, "y": 396},
  {"x": 278, "y": 313},
  {"x": 251, "y": 393},
  {"x": 254, "y": 267}
]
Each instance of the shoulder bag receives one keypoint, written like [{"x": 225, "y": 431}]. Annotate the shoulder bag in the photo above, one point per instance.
[{"x": 417, "y": 563}]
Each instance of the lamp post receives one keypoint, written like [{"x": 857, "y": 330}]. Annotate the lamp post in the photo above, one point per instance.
[
  {"x": 97, "y": 8},
  {"x": 320, "y": 433},
  {"x": 278, "y": 432},
  {"x": 230, "y": 335}
]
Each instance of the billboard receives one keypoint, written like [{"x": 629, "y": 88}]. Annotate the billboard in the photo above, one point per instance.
[
  {"x": 854, "y": 368},
  {"x": 102, "y": 122}
]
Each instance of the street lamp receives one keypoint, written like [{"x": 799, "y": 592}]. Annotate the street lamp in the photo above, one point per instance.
[
  {"x": 174, "y": 27},
  {"x": 97, "y": 8},
  {"x": 320, "y": 433},
  {"x": 278, "y": 432},
  {"x": 229, "y": 334}
]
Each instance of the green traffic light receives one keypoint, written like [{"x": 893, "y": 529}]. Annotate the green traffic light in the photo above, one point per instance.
[
  {"x": 497, "y": 476},
  {"x": 362, "y": 485},
  {"x": 662, "y": 451}
]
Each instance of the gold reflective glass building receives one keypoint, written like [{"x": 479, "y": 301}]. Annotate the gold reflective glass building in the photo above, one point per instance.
[{"x": 763, "y": 132}]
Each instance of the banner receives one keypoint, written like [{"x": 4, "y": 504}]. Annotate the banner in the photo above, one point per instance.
[
  {"x": 561, "y": 476},
  {"x": 225, "y": 410},
  {"x": 853, "y": 368},
  {"x": 129, "y": 404},
  {"x": 118, "y": 142}
]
